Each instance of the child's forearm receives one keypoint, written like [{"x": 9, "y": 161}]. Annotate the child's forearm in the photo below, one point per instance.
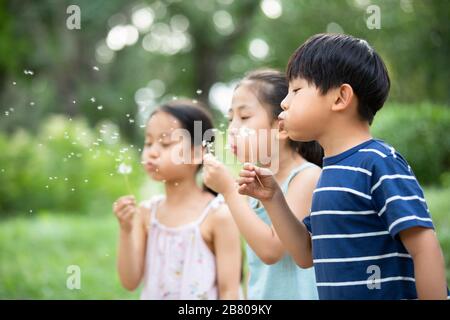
[
  {"x": 129, "y": 264},
  {"x": 259, "y": 236},
  {"x": 429, "y": 266},
  {"x": 229, "y": 294},
  {"x": 292, "y": 232},
  {"x": 429, "y": 270}
]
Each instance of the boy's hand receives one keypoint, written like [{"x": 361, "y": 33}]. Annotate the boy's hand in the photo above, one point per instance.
[
  {"x": 264, "y": 189},
  {"x": 124, "y": 208},
  {"x": 216, "y": 176}
]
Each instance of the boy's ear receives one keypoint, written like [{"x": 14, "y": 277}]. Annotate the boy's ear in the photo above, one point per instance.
[{"x": 342, "y": 98}]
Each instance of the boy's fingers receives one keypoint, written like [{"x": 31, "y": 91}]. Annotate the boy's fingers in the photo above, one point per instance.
[
  {"x": 248, "y": 166},
  {"x": 242, "y": 181},
  {"x": 247, "y": 173},
  {"x": 263, "y": 171},
  {"x": 242, "y": 189}
]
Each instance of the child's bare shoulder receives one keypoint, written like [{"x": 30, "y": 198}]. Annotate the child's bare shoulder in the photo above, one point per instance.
[
  {"x": 145, "y": 209},
  {"x": 305, "y": 177},
  {"x": 220, "y": 215}
]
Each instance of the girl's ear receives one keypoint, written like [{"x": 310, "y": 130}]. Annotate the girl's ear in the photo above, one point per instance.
[{"x": 343, "y": 96}]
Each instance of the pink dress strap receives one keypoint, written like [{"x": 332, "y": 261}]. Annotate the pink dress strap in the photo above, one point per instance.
[{"x": 179, "y": 264}]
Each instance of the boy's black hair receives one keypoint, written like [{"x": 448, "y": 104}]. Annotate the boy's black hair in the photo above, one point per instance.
[
  {"x": 272, "y": 88},
  {"x": 329, "y": 60}
]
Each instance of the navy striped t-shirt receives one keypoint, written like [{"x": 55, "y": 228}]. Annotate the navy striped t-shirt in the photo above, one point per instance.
[{"x": 364, "y": 198}]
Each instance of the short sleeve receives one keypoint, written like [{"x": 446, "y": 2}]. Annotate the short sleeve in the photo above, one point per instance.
[
  {"x": 397, "y": 196},
  {"x": 307, "y": 222}
]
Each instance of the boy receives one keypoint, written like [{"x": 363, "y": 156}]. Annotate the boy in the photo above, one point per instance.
[{"x": 369, "y": 234}]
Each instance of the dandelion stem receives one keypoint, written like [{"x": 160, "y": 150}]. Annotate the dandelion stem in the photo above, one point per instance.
[
  {"x": 251, "y": 160},
  {"x": 127, "y": 184}
]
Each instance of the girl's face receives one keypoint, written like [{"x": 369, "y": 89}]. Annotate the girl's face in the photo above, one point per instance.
[
  {"x": 162, "y": 151},
  {"x": 249, "y": 125}
]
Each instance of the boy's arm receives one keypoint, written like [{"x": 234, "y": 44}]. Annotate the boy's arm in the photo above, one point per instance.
[
  {"x": 292, "y": 232},
  {"x": 429, "y": 265},
  {"x": 400, "y": 203},
  {"x": 259, "y": 235}
]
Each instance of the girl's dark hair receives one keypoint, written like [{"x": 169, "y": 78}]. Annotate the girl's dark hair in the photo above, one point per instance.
[
  {"x": 272, "y": 88},
  {"x": 187, "y": 112}
]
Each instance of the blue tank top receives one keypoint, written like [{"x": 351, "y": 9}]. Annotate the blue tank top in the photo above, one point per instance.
[{"x": 283, "y": 280}]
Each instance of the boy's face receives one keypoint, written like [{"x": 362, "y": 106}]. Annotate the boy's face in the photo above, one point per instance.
[{"x": 306, "y": 111}]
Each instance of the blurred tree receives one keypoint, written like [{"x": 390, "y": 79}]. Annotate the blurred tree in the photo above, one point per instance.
[{"x": 108, "y": 69}]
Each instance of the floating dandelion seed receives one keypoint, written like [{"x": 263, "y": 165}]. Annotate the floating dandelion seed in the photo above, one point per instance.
[
  {"x": 29, "y": 72},
  {"x": 14, "y": 83},
  {"x": 92, "y": 99},
  {"x": 199, "y": 91},
  {"x": 120, "y": 98},
  {"x": 125, "y": 170},
  {"x": 100, "y": 107},
  {"x": 32, "y": 103},
  {"x": 95, "y": 68},
  {"x": 73, "y": 101}
]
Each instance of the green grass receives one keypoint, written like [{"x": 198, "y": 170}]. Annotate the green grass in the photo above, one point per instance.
[
  {"x": 35, "y": 252},
  {"x": 37, "y": 248},
  {"x": 439, "y": 205}
]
